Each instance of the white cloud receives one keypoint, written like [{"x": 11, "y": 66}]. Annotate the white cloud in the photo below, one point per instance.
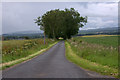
[
  {"x": 100, "y": 15},
  {"x": 94, "y": 23},
  {"x": 97, "y": 9},
  {"x": 98, "y": 22}
]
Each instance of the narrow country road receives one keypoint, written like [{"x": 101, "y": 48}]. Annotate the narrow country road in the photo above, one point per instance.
[{"x": 50, "y": 64}]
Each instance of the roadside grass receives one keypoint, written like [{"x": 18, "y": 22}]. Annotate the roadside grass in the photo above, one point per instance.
[
  {"x": 86, "y": 64},
  {"x": 103, "y": 50},
  {"x": 16, "y": 51},
  {"x": 99, "y": 50}
]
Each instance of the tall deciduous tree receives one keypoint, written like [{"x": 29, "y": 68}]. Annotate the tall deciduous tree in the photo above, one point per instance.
[{"x": 61, "y": 23}]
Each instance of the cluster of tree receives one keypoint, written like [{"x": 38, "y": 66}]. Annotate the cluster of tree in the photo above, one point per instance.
[
  {"x": 22, "y": 36},
  {"x": 61, "y": 23},
  {"x": 14, "y": 37}
]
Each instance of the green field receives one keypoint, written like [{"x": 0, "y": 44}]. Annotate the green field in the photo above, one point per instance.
[
  {"x": 100, "y": 50},
  {"x": 105, "y": 40},
  {"x": 16, "y": 49}
]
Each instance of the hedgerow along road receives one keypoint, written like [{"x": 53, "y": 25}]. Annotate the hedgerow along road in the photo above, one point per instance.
[{"x": 50, "y": 64}]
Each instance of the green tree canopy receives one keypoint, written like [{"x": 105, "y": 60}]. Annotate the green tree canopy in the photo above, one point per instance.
[{"x": 61, "y": 23}]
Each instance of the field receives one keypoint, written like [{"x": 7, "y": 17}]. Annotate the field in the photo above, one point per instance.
[
  {"x": 105, "y": 40},
  {"x": 101, "y": 50},
  {"x": 16, "y": 49}
]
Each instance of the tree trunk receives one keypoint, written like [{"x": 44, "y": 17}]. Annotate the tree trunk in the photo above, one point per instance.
[
  {"x": 44, "y": 37},
  {"x": 54, "y": 34}
]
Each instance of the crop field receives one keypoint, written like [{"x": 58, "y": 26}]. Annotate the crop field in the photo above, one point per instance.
[
  {"x": 16, "y": 49},
  {"x": 102, "y": 50},
  {"x": 106, "y": 40}
]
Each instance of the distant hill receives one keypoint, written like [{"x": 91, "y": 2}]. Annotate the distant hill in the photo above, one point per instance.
[
  {"x": 23, "y": 34},
  {"x": 39, "y": 34},
  {"x": 112, "y": 30}
]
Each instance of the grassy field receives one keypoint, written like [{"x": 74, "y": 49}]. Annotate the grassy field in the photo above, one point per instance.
[
  {"x": 101, "y": 50},
  {"x": 105, "y": 40},
  {"x": 16, "y": 49}
]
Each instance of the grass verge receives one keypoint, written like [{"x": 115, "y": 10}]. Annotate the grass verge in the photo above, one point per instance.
[
  {"x": 86, "y": 64},
  {"x": 11, "y": 63},
  {"x": 16, "y": 49}
]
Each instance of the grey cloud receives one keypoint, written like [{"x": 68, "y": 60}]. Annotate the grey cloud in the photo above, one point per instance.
[{"x": 20, "y": 16}]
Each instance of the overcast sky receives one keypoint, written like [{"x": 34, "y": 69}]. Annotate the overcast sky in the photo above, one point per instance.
[{"x": 20, "y": 16}]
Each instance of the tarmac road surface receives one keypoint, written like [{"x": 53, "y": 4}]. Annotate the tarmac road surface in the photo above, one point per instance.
[{"x": 50, "y": 64}]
